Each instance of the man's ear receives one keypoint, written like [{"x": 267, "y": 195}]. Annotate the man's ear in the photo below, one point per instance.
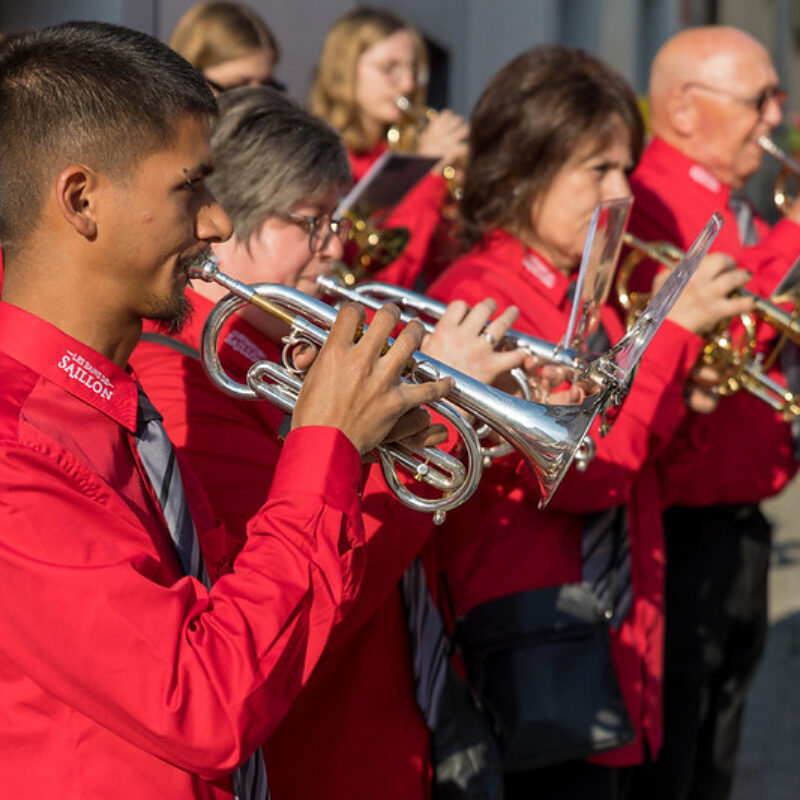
[
  {"x": 681, "y": 112},
  {"x": 76, "y": 198}
]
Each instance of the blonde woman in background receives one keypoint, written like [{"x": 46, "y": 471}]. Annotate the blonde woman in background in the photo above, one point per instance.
[
  {"x": 370, "y": 58},
  {"x": 229, "y": 43}
]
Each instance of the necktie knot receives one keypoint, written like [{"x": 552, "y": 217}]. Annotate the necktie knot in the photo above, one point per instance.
[
  {"x": 146, "y": 411},
  {"x": 745, "y": 219}
]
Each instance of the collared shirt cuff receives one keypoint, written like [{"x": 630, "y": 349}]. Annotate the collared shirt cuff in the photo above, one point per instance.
[{"x": 327, "y": 462}]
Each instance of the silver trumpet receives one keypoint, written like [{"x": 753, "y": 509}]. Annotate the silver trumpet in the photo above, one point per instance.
[
  {"x": 546, "y": 436},
  {"x": 374, "y": 294}
]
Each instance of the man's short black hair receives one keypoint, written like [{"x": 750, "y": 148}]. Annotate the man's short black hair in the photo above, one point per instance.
[{"x": 89, "y": 93}]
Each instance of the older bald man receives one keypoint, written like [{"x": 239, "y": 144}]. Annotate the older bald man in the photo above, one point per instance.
[{"x": 713, "y": 92}]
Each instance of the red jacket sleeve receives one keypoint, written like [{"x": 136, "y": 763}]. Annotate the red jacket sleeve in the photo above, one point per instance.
[{"x": 193, "y": 676}]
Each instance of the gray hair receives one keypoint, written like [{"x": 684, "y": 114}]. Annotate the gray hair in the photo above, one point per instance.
[{"x": 270, "y": 155}]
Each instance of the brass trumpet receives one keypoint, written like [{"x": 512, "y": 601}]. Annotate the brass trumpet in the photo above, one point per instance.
[
  {"x": 405, "y": 137},
  {"x": 790, "y": 168},
  {"x": 738, "y": 362},
  {"x": 546, "y": 436},
  {"x": 377, "y": 247}
]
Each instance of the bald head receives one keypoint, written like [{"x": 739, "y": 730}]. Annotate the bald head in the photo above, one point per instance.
[
  {"x": 703, "y": 88},
  {"x": 711, "y": 55}
]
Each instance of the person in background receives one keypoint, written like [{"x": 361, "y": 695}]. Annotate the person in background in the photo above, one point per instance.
[
  {"x": 124, "y": 670},
  {"x": 356, "y": 731},
  {"x": 370, "y": 58},
  {"x": 556, "y": 132},
  {"x": 713, "y": 92},
  {"x": 229, "y": 43}
]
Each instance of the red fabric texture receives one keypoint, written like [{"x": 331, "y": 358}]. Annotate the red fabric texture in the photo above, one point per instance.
[
  {"x": 703, "y": 466},
  {"x": 500, "y": 544},
  {"x": 120, "y": 676},
  {"x": 355, "y": 730},
  {"x": 419, "y": 211}
]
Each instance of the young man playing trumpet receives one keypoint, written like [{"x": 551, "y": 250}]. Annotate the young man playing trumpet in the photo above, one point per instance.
[
  {"x": 123, "y": 674},
  {"x": 356, "y": 730},
  {"x": 713, "y": 93}
]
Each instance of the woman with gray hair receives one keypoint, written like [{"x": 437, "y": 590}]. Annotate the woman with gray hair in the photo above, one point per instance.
[{"x": 356, "y": 730}]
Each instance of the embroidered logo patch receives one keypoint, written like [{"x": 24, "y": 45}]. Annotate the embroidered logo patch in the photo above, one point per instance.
[
  {"x": 539, "y": 270},
  {"x": 245, "y": 346},
  {"x": 80, "y": 369},
  {"x": 702, "y": 176}
]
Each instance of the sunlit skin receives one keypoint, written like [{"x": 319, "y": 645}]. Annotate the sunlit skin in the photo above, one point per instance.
[
  {"x": 277, "y": 252},
  {"x": 701, "y": 87},
  {"x": 384, "y": 71},
  {"x": 252, "y": 69},
  {"x": 387, "y": 70},
  {"x": 128, "y": 240},
  {"x": 560, "y": 218}
]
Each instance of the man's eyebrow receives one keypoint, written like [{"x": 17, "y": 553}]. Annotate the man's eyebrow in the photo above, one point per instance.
[{"x": 200, "y": 171}]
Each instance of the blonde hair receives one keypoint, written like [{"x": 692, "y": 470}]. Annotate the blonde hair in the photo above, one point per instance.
[
  {"x": 212, "y": 33},
  {"x": 334, "y": 87}
]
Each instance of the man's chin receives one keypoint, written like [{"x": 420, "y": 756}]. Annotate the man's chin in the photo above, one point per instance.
[{"x": 172, "y": 320}]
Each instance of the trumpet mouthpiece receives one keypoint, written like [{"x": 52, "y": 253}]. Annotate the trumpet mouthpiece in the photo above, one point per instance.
[{"x": 205, "y": 267}]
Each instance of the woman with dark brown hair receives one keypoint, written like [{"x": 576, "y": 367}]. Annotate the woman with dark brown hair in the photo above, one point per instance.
[
  {"x": 370, "y": 59},
  {"x": 555, "y": 133}
]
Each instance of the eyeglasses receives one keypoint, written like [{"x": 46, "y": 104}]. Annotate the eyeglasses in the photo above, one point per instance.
[
  {"x": 271, "y": 83},
  {"x": 320, "y": 228},
  {"x": 758, "y": 102},
  {"x": 395, "y": 70}
]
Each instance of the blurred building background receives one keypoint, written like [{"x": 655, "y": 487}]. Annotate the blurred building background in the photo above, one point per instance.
[{"x": 470, "y": 40}]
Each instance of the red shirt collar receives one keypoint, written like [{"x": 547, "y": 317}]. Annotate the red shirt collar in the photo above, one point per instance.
[
  {"x": 72, "y": 365},
  {"x": 535, "y": 269},
  {"x": 670, "y": 161}
]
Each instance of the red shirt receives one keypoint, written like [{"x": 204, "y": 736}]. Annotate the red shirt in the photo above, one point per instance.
[
  {"x": 674, "y": 198},
  {"x": 419, "y": 211},
  {"x": 500, "y": 544},
  {"x": 355, "y": 731},
  {"x": 120, "y": 676}
]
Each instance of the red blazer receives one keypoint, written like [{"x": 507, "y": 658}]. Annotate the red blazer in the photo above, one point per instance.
[
  {"x": 355, "y": 731},
  {"x": 703, "y": 466},
  {"x": 419, "y": 211},
  {"x": 123, "y": 676},
  {"x": 500, "y": 544}
]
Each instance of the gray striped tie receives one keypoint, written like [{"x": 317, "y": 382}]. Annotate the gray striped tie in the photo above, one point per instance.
[
  {"x": 745, "y": 220},
  {"x": 606, "y": 553},
  {"x": 429, "y": 650},
  {"x": 158, "y": 458}
]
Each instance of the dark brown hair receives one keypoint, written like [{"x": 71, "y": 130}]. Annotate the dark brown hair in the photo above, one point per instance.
[
  {"x": 529, "y": 121},
  {"x": 84, "y": 92}
]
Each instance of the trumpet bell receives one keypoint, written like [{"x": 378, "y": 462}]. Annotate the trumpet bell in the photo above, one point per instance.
[{"x": 790, "y": 170}]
